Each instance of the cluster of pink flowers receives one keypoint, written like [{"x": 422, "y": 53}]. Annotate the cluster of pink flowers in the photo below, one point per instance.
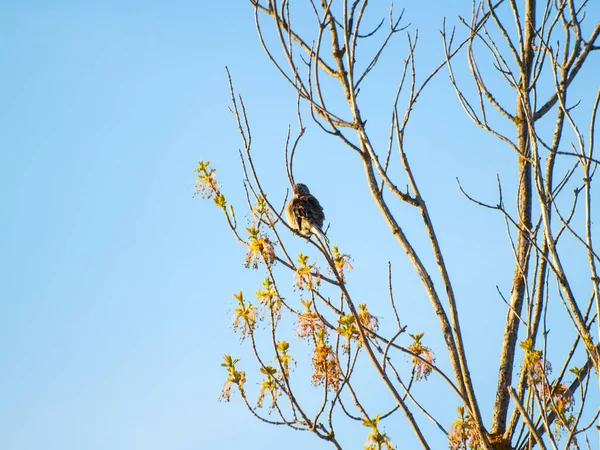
[
  {"x": 206, "y": 180},
  {"x": 244, "y": 316},
  {"x": 463, "y": 435},
  {"x": 261, "y": 249},
  {"x": 341, "y": 262},
  {"x": 367, "y": 320},
  {"x": 308, "y": 324},
  {"x": 327, "y": 366},
  {"x": 425, "y": 358}
]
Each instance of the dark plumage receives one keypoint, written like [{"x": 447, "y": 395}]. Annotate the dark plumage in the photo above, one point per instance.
[{"x": 304, "y": 213}]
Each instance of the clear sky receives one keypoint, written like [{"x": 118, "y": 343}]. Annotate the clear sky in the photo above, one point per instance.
[{"x": 116, "y": 285}]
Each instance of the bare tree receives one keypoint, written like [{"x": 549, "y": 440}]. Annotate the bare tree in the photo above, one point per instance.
[{"x": 529, "y": 54}]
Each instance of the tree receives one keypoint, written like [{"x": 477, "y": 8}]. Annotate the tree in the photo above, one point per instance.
[{"x": 530, "y": 54}]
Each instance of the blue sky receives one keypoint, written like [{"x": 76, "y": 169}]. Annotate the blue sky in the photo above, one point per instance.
[{"x": 116, "y": 293}]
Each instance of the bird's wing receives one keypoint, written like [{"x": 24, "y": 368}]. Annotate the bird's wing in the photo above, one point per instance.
[{"x": 314, "y": 210}]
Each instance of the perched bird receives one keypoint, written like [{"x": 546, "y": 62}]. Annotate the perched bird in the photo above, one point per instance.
[{"x": 304, "y": 213}]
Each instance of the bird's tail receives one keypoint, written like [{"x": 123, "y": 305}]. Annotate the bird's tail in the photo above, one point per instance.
[{"x": 319, "y": 232}]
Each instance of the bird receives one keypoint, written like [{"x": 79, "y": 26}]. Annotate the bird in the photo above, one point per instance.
[{"x": 304, "y": 213}]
